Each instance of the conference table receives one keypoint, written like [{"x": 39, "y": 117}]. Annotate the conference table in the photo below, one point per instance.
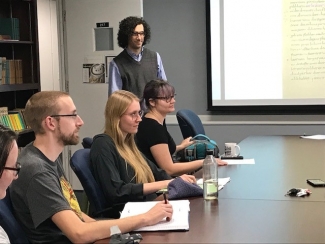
[{"x": 252, "y": 207}]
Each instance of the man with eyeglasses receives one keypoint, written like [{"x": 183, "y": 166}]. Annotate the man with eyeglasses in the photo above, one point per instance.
[
  {"x": 135, "y": 65},
  {"x": 42, "y": 198}
]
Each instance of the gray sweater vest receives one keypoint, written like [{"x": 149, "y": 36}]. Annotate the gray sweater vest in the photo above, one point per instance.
[{"x": 135, "y": 75}]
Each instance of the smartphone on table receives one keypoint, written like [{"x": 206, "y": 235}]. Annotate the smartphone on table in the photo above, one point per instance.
[{"x": 316, "y": 182}]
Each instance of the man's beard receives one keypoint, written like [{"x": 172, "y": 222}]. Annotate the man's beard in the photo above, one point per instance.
[{"x": 71, "y": 139}]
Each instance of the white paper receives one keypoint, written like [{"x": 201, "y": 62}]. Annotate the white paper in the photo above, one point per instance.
[
  {"x": 221, "y": 182},
  {"x": 239, "y": 161},
  {"x": 314, "y": 137},
  {"x": 179, "y": 220}
]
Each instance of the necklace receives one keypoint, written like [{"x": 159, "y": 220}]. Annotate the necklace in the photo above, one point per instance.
[{"x": 153, "y": 116}]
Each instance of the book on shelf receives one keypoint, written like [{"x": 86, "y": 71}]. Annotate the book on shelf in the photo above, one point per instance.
[
  {"x": 17, "y": 121},
  {"x": 19, "y": 71},
  {"x": 7, "y": 81},
  {"x": 12, "y": 71},
  {"x": 3, "y": 71},
  {"x": 13, "y": 122},
  {"x": 4, "y": 119},
  {"x": 13, "y": 119},
  {"x": 20, "y": 122},
  {"x": 9, "y": 121},
  {"x": 21, "y": 111},
  {"x": 5, "y": 37},
  {"x": 3, "y": 110},
  {"x": 179, "y": 220},
  {"x": 10, "y": 27},
  {"x": 0, "y": 70}
]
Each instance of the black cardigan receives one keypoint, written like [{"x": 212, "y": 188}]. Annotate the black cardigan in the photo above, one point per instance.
[{"x": 117, "y": 178}]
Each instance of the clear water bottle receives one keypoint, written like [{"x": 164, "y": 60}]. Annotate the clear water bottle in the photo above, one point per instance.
[{"x": 210, "y": 177}]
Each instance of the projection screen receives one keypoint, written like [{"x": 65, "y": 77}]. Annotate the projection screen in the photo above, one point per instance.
[{"x": 266, "y": 56}]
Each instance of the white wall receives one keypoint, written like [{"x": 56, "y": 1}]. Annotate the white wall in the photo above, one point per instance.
[
  {"x": 81, "y": 19},
  {"x": 48, "y": 44}
]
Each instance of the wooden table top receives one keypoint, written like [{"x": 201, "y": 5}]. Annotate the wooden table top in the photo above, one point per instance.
[{"x": 252, "y": 207}]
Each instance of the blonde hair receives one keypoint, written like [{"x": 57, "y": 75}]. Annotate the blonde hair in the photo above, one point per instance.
[
  {"x": 41, "y": 105},
  {"x": 117, "y": 103}
]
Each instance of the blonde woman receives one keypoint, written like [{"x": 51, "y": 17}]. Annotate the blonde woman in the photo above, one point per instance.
[{"x": 120, "y": 169}]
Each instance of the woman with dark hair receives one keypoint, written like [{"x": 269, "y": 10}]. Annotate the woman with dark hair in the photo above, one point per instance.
[
  {"x": 9, "y": 168},
  {"x": 153, "y": 139},
  {"x": 120, "y": 169}
]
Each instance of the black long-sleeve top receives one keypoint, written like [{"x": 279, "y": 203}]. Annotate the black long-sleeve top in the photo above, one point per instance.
[{"x": 116, "y": 177}]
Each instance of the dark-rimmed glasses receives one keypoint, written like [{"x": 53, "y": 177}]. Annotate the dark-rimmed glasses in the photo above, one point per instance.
[
  {"x": 17, "y": 169},
  {"x": 135, "y": 115},
  {"x": 138, "y": 33},
  {"x": 64, "y": 115},
  {"x": 167, "y": 99}
]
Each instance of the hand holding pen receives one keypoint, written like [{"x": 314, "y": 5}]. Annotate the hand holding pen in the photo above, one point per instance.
[
  {"x": 165, "y": 198},
  {"x": 161, "y": 210}
]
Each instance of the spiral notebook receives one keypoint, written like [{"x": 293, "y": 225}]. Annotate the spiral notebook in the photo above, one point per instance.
[{"x": 179, "y": 220}]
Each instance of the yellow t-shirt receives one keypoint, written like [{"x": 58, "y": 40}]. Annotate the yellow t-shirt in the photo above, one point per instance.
[{"x": 70, "y": 196}]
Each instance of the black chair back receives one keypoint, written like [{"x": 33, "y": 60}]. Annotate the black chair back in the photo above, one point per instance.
[
  {"x": 80, "y": 164},
  {"x": 87, "y": 142},
  {"x": 9, "y": 223},
  {"x": 189, "y": 123}
]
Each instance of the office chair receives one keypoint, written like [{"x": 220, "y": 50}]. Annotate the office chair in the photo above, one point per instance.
[
  {"x": 80, "y": 164},
  {"x": 87, "y": 142},
  {"x": 9, "y": 223},
  {"x": 189, "y": 123}
]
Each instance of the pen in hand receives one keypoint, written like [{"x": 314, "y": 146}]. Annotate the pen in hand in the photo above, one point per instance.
[{"x": 165, "y": 198}]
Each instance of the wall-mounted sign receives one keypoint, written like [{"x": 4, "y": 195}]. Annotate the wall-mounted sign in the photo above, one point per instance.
[{"x": 102, "y": 24}]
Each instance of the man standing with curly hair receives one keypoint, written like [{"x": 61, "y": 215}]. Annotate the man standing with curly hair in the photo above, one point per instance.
[{"x": 135, "y": 65}]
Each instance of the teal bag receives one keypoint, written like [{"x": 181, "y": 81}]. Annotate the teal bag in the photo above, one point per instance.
[{"x": 198, "y": 150}]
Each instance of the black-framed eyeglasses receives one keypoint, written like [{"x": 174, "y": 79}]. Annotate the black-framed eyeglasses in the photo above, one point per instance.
[
  {"x": 135, "y": 115},
  {"x": 168, "y": 99},
  {"x": 138, "y": 33},
  {"x": 17, "y": 169},
  {"x": 64, "y": 115}
]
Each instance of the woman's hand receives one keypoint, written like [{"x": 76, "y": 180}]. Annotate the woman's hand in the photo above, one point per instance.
[
  {"x": 186, "y": 142},
  {"x": 221, "y": 162},
  {"x": 158, "y": 212},
  {"x": 189, "y": 178}
]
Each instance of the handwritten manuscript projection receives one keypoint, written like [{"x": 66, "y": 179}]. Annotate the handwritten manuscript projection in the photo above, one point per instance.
[{"x": 303, "y": 49}]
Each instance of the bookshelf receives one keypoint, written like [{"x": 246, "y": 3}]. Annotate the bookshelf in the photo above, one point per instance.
[{"x": 19, "y": 45}]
